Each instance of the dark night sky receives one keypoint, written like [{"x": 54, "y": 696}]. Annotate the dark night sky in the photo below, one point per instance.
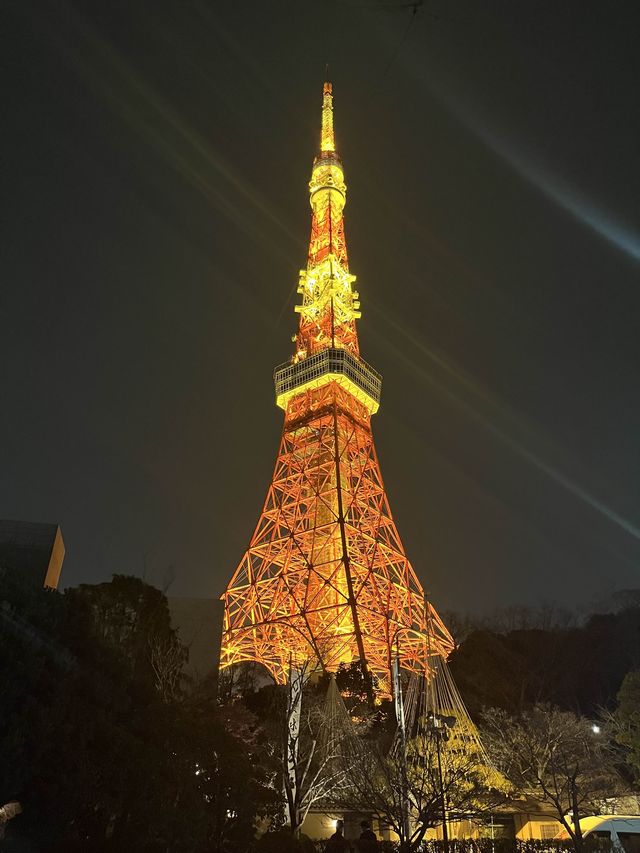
[{"x": 156, "y": 160}]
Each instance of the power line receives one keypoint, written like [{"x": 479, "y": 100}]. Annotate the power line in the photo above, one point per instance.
[{"x": 414, "y": 11}]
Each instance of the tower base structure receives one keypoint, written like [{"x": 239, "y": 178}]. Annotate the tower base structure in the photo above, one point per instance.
[{"x": 326, "y": 577}]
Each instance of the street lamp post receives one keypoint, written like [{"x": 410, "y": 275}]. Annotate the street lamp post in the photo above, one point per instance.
[
  {"x": 399, "y": 706},
  {"x": 438, "y": 726}
]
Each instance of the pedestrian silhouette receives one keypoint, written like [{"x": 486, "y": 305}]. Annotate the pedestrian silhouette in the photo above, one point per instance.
[
  {"x": 338, "y": 843},
  {"x": 368, "y": 841}
]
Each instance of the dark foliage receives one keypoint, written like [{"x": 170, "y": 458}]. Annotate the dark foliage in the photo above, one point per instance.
[
  {"x": 626, "y": 722},
  {"x": 578, "y": 668},
  {"x": 90, "y": 746},
  {"x": 282, "y": 841}
]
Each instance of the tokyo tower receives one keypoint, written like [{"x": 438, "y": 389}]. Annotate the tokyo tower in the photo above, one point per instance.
[{"x": 325, "y": 577}]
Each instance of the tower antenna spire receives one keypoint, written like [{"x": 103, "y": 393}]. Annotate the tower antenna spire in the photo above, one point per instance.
[{"x": 327, "y": 141}]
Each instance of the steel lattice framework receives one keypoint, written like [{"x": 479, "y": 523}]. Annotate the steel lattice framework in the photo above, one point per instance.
[{"x": 326, "y": 576}]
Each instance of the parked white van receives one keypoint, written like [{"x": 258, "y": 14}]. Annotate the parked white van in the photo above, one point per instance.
[{"x": 619, "y": 830}]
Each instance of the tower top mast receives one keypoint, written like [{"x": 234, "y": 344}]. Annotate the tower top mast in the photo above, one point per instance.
[
  {"x": 328, "y": 195},
  {"x": 327, "y": 140},
  {"x": 326, "y": 344}
]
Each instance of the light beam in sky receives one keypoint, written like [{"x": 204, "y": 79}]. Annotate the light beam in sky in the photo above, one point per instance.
[
  {"x": 554, "y": 187},
  {"x": 468, "y": 396}
]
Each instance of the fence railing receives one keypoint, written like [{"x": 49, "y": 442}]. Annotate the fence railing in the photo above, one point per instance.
[{"x": 486, "y": 845}]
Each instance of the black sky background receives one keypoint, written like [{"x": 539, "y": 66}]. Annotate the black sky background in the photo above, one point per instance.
[{"x": 155, "y": 165}]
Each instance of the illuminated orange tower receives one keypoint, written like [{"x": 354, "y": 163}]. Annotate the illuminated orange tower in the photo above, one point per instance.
[{"x": 325, "y": 577}]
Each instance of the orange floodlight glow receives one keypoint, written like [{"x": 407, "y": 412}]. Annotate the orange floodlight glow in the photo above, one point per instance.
[{"x": 325, "y": 577}]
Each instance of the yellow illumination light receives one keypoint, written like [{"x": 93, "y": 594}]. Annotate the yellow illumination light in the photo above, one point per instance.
[
  {"x": 282, "y": 400},
  {"x": 327, "y": 142}
]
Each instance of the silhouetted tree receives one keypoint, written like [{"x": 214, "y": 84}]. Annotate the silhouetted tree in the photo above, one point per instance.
[
  {"x": 101, "y": 751},
  {"x": 626, "y": 721},
  {"x": 577, "y": 667},
  {"x": 444, "y": 770},
  {"x": 556, "y": 756}
]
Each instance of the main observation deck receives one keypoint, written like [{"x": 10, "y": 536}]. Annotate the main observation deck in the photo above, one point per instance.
[{"x": 331, "y": 364}]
